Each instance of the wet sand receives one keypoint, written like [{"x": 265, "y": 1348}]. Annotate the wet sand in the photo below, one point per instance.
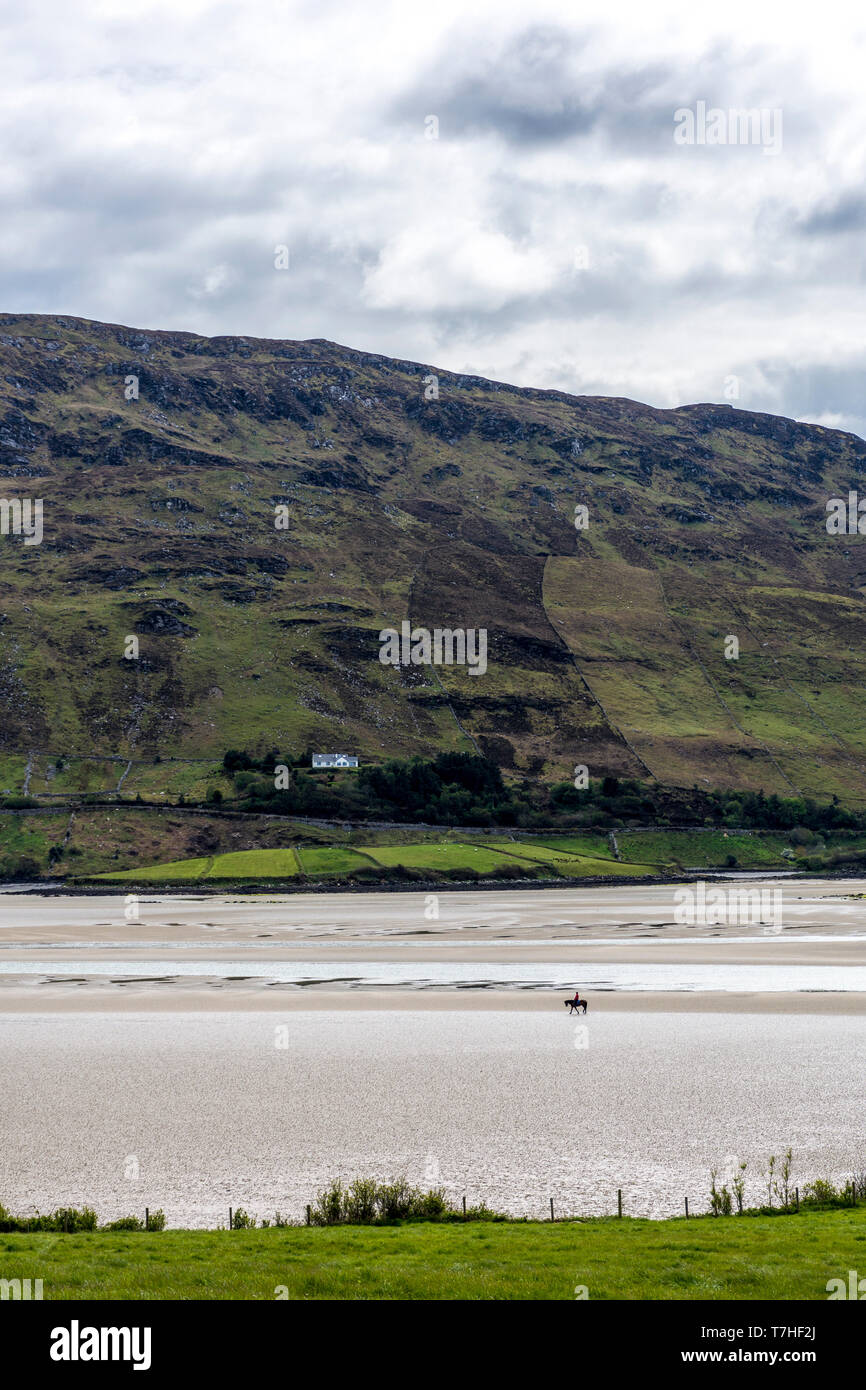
[
  {"x": 141, "y": 1061},
  {"x": 600, "y": 913},
  {"x": 770, "y": 950},
  {"x": 219, "y": 995},
  {"x": 204, "y": 953},
  {"x": 196, "y": 1112}
]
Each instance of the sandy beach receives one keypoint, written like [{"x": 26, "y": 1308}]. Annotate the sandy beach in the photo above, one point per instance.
[
  {"x": 508, "y": 950},
  {"x": 236, "y": 1050},
  {"x": 615, "y": 911},
  {"x": 183, "y": 996}
]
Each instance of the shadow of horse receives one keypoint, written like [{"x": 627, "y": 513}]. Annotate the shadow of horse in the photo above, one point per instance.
[{"x": 573, "y": 1004}]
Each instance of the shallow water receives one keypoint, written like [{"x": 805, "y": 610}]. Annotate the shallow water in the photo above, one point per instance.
[
  {"x": 502, "y": 1106},
  {"x": 529, "y": 975}
]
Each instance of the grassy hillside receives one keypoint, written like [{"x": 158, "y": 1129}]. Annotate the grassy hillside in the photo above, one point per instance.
[
  {"x": 789, "y": 1257},
  {"x": 606, "y": 645},
  {"x": 167, "y": 845}
]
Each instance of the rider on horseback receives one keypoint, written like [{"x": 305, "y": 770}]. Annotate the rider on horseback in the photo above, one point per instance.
[{"x": 576, "y": 1002}]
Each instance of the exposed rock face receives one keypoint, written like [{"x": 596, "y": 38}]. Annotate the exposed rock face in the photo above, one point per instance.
[
  {"x": 162, "y": 624},
  {"x": 606, "y": 644}
]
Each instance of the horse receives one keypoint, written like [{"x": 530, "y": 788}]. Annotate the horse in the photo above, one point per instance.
[{"x": 575, "y": 1004}]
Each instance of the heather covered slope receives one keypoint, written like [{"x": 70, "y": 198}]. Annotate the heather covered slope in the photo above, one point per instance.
[{"x": 606, "y": 646}]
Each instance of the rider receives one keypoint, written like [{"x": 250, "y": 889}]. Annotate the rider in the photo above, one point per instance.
[{"x": 576, "y": 999}]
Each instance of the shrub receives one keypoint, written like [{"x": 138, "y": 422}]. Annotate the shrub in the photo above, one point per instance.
[
  {"x": 69, "y": 1219},
  {"x": 369, "y": 1203},
  {"x": 329, "y": 1208},
  {"x": 72, "y": 1220},
  {"x": 395, "y": 1200},
  {"x": 430, "y": 1206},
  {"x": 720, "y": 1198},
  {"x": 821, "y": 1193},
  {"x": 738, "y": 1183},
  {"x": 359, "y": 1206},
  {"x": 484, "y": 1213},
  {"x": 802, "y": 835},
  {"x": 783, "y": 1186}
]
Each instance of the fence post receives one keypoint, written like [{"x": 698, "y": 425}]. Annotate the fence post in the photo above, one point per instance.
[
  {"x": 309, "y": 1217},
  {"x": 464, "y": 1203},
  {"x": 231, "y": 1223},
  {"x": 551, "y": 1209},
  {"x": 619, "y": 1201},
  {"x": 797, "y": 1197},
  {"x": 687, "y": 1208},
  {"x": 147, "y": 1218}
]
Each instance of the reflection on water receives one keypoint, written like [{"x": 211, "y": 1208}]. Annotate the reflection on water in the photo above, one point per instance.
[
  {"x": 512, "y": 1110},
  {"x": 529, "y": 975}
]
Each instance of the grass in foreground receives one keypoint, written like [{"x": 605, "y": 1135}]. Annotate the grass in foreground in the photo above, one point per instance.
[{"x": 790, "y": 1257}]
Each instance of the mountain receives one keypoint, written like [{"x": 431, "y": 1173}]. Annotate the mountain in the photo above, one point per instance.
[{"x": 606, "y": 646}]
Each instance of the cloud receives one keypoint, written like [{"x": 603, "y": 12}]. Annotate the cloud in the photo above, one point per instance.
[
  {"x": 839, "y": 215},
  {"x": 552, "y": 234},
  {"x": 450, "y": 264}
]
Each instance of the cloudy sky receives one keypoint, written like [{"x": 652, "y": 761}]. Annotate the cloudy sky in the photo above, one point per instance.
[{"x": 492, "y": 188}]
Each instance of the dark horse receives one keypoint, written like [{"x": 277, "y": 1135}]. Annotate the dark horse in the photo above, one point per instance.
[{"x": 575, "y": 1004}]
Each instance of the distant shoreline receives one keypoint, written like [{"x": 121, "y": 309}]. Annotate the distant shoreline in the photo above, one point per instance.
[{"x": 220, "y": 888}]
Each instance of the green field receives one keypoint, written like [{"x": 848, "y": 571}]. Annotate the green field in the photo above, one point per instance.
[
  {"x": 595, "y": 845},
  {"x": 692, "y": 848},
  {"x": 574, "y": 865},
  {"x": 334, "y": 861},
  {"x": 331, "y": 860},
  {"x": 782, "y": 1257},
  {"x": 441, "y": 856},
  {"x": 180, "y": 869},
  {"x": 253, "y": 863},
  {"x": 680, "y": 848}
]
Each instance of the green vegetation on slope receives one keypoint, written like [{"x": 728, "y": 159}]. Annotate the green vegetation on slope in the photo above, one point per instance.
[
  {"x": 174, "y": 846},
  {"x": 606, "y": 647},
  {"x": 573, "y": 865},
  {"x": 424, "y": 860},
  {"x": 711, "y": 848}
]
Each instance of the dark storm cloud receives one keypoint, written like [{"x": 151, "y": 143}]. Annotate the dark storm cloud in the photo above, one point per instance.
[
  {"x": 526, "y": 92},
  {"x": 846, "y": 213},
  {"x": 536, "y": 90}
]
